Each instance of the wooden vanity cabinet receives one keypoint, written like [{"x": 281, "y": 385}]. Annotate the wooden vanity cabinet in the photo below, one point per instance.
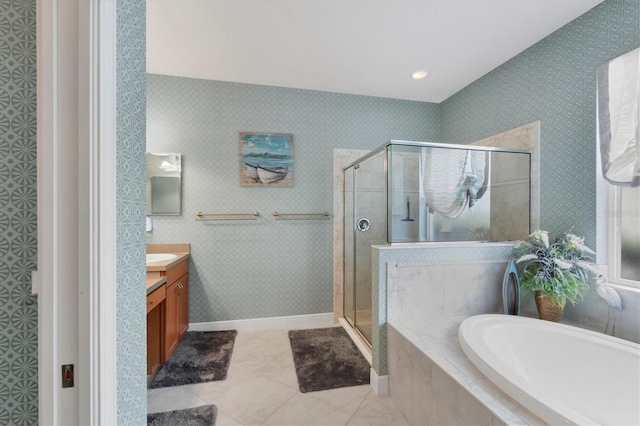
[
  {"x": 155, "y": 321},
  {"x": 176, "y": 306},
  {"x": 183, "y": 306}
]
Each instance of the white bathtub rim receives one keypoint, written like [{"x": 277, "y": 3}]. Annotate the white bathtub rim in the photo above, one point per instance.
[{"x": 534, "y": 399}]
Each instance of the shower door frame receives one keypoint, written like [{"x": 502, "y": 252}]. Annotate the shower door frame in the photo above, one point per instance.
[{"x": 356, "y": 165}]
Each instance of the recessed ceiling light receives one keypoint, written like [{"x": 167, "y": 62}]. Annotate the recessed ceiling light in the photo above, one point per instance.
[{"x": 417, "y": 75}]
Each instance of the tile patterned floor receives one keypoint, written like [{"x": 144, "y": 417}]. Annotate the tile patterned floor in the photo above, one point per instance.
[{"x": 262, "y": 389}]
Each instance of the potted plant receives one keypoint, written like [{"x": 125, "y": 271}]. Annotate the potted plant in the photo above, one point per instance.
[{"x": 555, "y": 272}]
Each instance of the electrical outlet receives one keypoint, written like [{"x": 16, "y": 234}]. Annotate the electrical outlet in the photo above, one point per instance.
[{"x": 67, "y": 376}]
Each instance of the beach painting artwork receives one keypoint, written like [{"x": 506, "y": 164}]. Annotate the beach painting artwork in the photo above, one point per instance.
[{"x": 266, "y": 159}]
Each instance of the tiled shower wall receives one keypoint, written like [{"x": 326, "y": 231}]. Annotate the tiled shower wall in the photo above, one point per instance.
[{"x": 18, "y": 209}]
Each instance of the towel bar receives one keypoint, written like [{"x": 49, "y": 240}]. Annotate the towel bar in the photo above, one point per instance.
[
  {"x": 226, "y": 216},
  {"x": 301, "y": 216}
]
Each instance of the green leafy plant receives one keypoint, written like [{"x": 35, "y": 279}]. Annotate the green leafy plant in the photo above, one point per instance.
[{"x": 561, "y": 269}]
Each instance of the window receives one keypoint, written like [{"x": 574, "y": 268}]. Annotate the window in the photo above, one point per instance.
[{"x": 624, "y": 235}]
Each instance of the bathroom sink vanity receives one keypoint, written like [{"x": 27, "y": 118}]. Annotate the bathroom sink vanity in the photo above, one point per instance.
[{"x": 167, "y": 301}]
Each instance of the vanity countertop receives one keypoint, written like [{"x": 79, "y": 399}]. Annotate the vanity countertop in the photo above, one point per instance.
[
  {"x": 166, "y": 264},
  {"x": 154, "y": 282},
  {"x": 182, "y": 250}
]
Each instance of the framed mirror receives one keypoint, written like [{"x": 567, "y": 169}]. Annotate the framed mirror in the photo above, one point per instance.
[{"x": 164, "y": 184}]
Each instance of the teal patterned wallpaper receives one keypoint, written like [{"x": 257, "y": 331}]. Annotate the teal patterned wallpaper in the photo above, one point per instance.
[
  {"x": 130, "y": 206},
  {"x": 263, "y": 268},
  {"x": 554, "y": 81},
  {"x": 236, "y": 267},
  {"x": 18, "y": 223}
]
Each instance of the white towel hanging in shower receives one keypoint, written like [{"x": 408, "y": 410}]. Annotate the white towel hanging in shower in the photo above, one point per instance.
[{"x": 453, "y": 179}]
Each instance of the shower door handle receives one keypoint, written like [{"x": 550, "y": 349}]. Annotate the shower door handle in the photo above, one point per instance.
[{"x": 363, "y": 224}]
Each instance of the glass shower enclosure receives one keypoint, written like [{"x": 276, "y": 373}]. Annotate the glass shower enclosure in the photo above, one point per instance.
[{"x": 417, "y": 192}]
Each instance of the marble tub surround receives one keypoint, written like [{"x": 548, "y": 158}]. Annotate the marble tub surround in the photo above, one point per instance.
[
  {"x": 181, "y": 250},
  {"x": 454, "y": 253},
  {"x": 426, "y": 302},
  {"x": 435, "y": 347},
  {"x": 433, "y": 290},
  {"x": 434, "y": 384}
]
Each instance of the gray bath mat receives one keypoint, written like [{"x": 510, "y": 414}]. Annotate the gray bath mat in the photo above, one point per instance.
[
  {"x": 327, "y": 358},
  {"x": 205, "y": 415},
  {"x": 201, "y": 356}
]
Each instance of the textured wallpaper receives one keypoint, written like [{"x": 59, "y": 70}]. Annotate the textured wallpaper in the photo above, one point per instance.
[
  {"x": 18, "y": 223},
  {"x": 130, "y": 205},
  {"x": 554, "y": 81},
  {"x": 237, "y": 269},
  {"x": 263, "y": 268}
]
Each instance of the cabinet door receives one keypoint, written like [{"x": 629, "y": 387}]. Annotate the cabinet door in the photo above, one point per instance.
[
  {"x": 154, "y": 340},
  {"x": 183, "y": 305},
  {"x": 155, "y": 328},
  {"x": 172, "y": 334}
]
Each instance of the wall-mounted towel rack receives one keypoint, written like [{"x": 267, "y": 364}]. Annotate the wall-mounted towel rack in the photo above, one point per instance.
[
  {"x": 301, "y": 216},
  {"x": 226, "y": 216}
]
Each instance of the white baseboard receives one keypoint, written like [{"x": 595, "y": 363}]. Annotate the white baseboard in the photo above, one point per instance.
[
  {"x": 379, "y": 384},
  {"x": 272, "y": 323},
  {"x": 364, "y": 349}
]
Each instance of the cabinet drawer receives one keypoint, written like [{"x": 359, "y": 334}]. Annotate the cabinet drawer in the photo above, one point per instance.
[
  {"x": 156, "y": 297},
  {"x": 177, "y": 271}
]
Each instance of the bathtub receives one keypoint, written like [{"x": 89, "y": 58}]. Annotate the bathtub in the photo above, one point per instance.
[{"x": 563, "y": 374}]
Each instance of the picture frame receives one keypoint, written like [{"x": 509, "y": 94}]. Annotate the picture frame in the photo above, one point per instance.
[{"x": 266, "y": 159}]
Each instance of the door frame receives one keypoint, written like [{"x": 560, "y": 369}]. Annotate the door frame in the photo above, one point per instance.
[{"x": 75, "y": 279}]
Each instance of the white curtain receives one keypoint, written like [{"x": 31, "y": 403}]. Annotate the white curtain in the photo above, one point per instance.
[
  {"x": 619, "y": 119},
  {"x": 452, "y": 179}
]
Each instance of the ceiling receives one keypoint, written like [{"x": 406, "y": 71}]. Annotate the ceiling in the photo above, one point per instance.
[{"x": 364, "y": 47}]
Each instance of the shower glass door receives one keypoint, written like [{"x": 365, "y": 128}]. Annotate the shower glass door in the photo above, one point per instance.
[{"x": 369, "y": 228}]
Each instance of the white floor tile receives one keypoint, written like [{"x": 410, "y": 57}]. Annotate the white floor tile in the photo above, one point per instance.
[
  {"x": 262, "y": 388},
  {"x": 348, "y": 399},
  {"x": 255, "y": 352},
  {"x": 208, "y": 391},
  {"x": 225, "y": 420},
  {"x": 378, "y": 410},
  {"x": 282, "y": 369},
  {"x": 255, "y": 399},
  {"x": 306, "y": 410},
  {"x": 172, "y": 398}
]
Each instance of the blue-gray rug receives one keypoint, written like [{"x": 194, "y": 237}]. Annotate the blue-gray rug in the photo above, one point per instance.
[
  {"x": 201, "y": 356},
  {"x": 327, "y": 358},
  {"x": 205, "y": 415}
]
